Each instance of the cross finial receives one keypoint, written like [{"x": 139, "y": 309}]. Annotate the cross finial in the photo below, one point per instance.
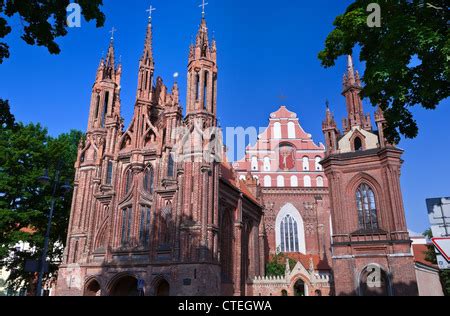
[
  {"x": 203, "y": 5},
  {"x": 113, "y": 30},
  {"x": 150, "y": 10},
  {"x": 327, "y": 103}
]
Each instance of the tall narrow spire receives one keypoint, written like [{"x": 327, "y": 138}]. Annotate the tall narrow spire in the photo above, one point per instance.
[
  {"x": 147, "y": 55},
  {"x": 350, "y": 71},
  {"x": 352, "y": 90},
  {"x": 107, "y": 68},
  {"x": 147, "y": 64}
]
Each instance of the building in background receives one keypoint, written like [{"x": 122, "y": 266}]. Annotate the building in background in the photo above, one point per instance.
[
  {"x": 427, "y": 273},
  {"x": 286, "y": 162}
]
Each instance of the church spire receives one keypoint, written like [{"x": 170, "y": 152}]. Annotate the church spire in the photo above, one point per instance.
[
  {"x": 107, "y": 67},
  {"x": 351, "y": 91},
  {"x": 146, "y": 63}
]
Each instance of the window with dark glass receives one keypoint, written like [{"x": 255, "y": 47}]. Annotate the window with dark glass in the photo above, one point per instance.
[
  {"x": 126, "y": 224},
  {"x": 109, "y": 172},
  {"x": 128, "y": 181},
  {"x": 144, "y": 226},
  {"x": 367, "y": 210},
  {"x": 105, "y": 108},
  {"x": 205, "y": 91},
  {"x": 170, "y": 166},
  {"x": 148, "y": 179},
  {"x": 358, "y": 144}
]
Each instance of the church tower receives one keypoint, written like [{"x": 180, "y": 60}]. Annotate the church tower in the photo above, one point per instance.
[
  {"x": 95, "y": 160},
  {"x": 202, "y": 78},
  {"x": 371, "y": 248}
]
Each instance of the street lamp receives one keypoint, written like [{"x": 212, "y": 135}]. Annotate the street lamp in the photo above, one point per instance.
[{"x": 45, "y": 179}]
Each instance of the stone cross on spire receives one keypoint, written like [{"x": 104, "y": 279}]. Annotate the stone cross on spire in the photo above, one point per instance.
[
  {"x": 203, "y": 5},
  {"x": 113, "y": 30},
  {"x": 150, "y": 10}
]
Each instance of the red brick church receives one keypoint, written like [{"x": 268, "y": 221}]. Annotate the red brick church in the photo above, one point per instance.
[{"x": 158, "y": 210}]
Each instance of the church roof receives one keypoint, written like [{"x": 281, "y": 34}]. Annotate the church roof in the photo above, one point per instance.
[
  {"x": 229, "y": 176},
  {"x": 419, "y": 251}
]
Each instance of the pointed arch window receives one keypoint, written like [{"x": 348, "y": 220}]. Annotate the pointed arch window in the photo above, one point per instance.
[
  {"x": 149, "y": 176},
  {"x": 358, "y": 144},
  {"x": 289, "y": 234},
  {"x": 105, "y": 108},
  {"x": 367, "y": 209},
  {"x": 128, "y": 181}
]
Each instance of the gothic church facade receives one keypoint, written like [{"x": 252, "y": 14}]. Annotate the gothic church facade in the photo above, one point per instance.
[{"x": 153, "y": 217}]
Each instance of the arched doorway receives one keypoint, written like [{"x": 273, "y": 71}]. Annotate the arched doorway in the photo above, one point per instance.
[
  {"x": 163, "y": 288},
  {"x": 92, "y": 288},
  {"x": 374, "y": 281},
  {"x": 300, "y": 288},
  {"x": 125, "y": 286}
]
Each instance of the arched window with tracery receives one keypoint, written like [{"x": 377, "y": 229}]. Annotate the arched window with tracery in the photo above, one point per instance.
[
  {"x": 290, "y": 230},
  {"x": 289, "y": 234},
  {"x": 367, "y": 209}
]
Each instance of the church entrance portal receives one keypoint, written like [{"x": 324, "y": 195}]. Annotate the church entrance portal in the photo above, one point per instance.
[
  {"x": 163, "y": 288},
  {"x": 299, "y": 288},
  {"x": 125, "y": 286}
]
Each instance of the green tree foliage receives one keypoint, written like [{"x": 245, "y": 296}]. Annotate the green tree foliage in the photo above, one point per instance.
[
  {"x": 430, "y": 256},
  {"x": 25, "y": 151},
  {"x": 407, "y": 58},
  {"x": 277, "y": 265},
  {"x": 43, "y": 20}
]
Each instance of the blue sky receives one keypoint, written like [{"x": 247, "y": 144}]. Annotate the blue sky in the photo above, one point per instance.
[{"x": 266, "y": 49}]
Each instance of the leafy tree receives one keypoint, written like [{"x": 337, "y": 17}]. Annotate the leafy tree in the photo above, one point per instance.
[
  {"x": 407, "y": 58},
  {"x": 430, "y": 256},
  {"x": 277, "y": 265},
  {"x": 25, "y": 152},
  {"x": 7, "y": 120},
  {"x": 44, "y": 20}
]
